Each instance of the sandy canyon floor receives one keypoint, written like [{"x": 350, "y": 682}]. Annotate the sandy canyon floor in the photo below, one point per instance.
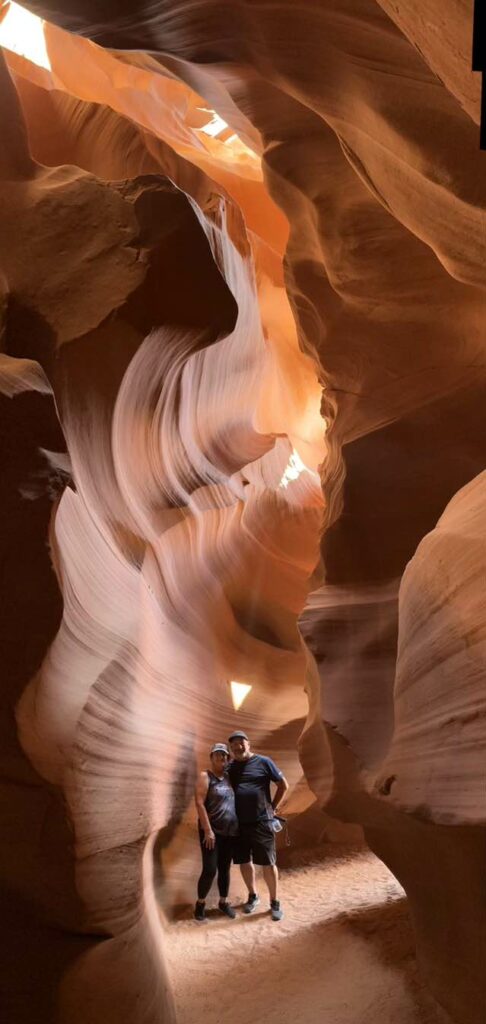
[{"x": 343, "y": 954}]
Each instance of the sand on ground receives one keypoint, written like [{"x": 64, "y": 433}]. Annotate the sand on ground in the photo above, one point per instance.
[{"x": 343, "y": 954}]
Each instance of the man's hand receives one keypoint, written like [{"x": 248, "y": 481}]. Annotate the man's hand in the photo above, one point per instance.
[{"x": 209, "y": 839}]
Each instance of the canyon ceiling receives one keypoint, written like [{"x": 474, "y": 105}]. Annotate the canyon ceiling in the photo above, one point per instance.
[{"x": 243, "y": 315}]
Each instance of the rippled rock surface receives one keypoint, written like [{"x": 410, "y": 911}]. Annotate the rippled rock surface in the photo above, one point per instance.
[{"x": 243, "y": 315}]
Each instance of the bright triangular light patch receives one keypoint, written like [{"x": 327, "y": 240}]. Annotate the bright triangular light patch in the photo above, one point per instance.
[
  {"x": 23, "y": 33},
  {"x": 215, "y": 126},
  {"x": 293, "y": 469},
  {"x": 239, "y": 693}
]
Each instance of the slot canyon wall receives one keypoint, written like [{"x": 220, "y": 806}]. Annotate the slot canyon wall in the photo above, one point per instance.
[{"x": 243, "y": 432}]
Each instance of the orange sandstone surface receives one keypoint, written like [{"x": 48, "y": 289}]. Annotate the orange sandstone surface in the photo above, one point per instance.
[{"x": 243, "y": 312}]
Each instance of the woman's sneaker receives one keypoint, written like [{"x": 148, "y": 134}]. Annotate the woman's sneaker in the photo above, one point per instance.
[
  {"x": 224, "y": 908},
  {"x": 275, "y": 910},
  {"x": 251, "y": 903},
  {"x": 200, "y": 912}
]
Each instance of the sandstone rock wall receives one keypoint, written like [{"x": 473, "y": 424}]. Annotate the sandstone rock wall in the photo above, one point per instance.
[{"x": 220, "y": 320}]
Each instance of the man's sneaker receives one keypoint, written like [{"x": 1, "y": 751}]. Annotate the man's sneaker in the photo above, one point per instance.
[
  {"x": 275, "y": 910},
  {"x": 224, "y": 908},
  {"x": 200, "y": 912},
  {"x": 251, "y": 903}
]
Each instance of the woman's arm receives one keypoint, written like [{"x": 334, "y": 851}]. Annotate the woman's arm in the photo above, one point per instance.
[{"x": 200, "y": 796}]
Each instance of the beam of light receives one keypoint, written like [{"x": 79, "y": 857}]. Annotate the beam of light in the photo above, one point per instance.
[
  {"x": 23, "y": 33},
  {"x": 293, "y": 469},
  {"x": 239, "y": 693}
]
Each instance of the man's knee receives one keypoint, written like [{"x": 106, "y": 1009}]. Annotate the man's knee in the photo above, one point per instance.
[{"x": 248, "y": 872}]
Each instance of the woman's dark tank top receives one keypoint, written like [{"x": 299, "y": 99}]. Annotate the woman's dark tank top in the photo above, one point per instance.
[{"x": 220, "y": 805}]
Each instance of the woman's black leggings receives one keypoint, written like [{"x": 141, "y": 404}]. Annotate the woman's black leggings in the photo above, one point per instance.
[{"x": 216, "y": 860}]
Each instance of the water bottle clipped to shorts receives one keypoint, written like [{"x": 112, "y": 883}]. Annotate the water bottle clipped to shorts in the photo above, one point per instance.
[{"x": 277, "y": 824}]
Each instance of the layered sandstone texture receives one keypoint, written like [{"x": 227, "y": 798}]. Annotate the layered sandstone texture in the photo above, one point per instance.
[{"x": 243, "y": 313}]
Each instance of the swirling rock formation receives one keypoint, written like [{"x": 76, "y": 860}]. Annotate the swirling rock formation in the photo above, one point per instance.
[{"x": 218, "y": 317}]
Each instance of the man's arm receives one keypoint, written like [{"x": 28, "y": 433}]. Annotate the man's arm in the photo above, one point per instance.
[
  {"x": 282, "y": 787},
  {"x": 200, "y": 795}
]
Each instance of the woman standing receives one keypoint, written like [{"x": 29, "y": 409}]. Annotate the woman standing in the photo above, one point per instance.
[{"x": 218, "y": 825}]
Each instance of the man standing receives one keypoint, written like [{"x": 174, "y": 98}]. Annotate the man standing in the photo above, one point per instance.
[{"x": 251, "y": 775}]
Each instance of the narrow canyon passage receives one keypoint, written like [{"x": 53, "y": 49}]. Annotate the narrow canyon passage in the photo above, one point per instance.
[
  {"x": 243, "y": 487},
  {"x": 346, "y": 941}
]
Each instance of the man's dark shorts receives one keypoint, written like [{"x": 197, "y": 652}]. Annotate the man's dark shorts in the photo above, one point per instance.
[{"x": 255, "y": 842}]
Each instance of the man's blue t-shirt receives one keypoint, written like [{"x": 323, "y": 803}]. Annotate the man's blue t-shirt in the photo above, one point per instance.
[{"x": 251, "y": 782}]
